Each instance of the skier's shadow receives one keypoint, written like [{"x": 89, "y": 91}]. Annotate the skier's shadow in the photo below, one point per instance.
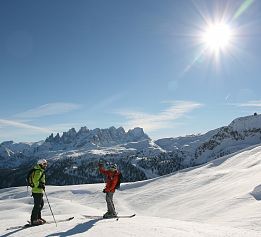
[
  {"x": 11, "y": 233},
  {"x": 80, "y": 228}
]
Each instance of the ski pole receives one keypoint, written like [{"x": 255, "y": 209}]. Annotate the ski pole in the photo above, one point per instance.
[{"x": 50, "y": 208}]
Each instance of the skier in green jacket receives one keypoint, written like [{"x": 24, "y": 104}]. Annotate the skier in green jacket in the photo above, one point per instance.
[{"x": 38, "y": 180}]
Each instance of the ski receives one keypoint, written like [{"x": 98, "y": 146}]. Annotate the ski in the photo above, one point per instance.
[
  {"x": 116, "y": 217},
  {"x": 63, "y": 220},
  {"x": 19, "y": 227},
  {"x": 28, "y": 225},
  {"x": 126, "y": 216}
]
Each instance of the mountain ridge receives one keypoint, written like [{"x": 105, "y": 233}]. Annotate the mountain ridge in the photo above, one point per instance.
[{"x": 74, "y": 155}]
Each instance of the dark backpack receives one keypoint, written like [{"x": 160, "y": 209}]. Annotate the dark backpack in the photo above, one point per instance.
[
  {"x": 118, "y": 185},
  {"x": 29, "y": 177}
]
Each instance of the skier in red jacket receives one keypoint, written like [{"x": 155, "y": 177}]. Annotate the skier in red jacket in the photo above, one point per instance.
[{"x": 112, "y": 177}]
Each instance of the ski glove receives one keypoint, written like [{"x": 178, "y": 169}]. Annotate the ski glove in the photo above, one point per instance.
[
  {"x": 41, "y": 185},
  {"x": 104, "y": 191}
]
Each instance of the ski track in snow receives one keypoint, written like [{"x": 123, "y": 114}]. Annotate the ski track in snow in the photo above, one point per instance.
[{"x": 220, "y": 198}]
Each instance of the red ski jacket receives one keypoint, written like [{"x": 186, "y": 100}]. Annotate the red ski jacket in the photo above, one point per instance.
[{"x": 112, "y": 177}]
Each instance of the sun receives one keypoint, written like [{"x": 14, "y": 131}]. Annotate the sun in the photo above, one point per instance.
[{"x": 217, "y": 37}]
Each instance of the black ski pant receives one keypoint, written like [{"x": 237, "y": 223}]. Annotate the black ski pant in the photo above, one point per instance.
[
  {"x": 110, "y": 205},
  {"x": 38, "y": 206}
]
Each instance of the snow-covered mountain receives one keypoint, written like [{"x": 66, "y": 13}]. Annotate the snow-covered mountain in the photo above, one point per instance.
[
  {"x": 72, "y": 143},
  {"x": 218, "y": 199},
  {"x": 73, "y": 156},
  {"x": 239, "y": 134},
  {"x": 97, "y": 137}
]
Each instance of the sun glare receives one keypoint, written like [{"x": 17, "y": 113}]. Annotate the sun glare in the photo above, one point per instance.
[
  {"x": 218, "y": 33},
  {"x": 217, "y": 37}
]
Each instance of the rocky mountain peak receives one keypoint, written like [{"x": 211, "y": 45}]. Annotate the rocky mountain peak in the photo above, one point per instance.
[
  {"x": 137, "y": 134},
  {"x": 83, "y": 130},
  {"x": 108, "y": 136},
  {"x": 246, "y": 123}
]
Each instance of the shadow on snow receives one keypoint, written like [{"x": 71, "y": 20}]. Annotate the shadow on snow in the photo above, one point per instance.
[{"x": 80, "y": 228}]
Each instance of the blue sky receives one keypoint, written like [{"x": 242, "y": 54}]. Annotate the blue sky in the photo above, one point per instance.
[{"x": 132, "y": 63}]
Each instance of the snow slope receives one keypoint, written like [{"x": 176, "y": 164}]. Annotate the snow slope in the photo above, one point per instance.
[{"x": 220, "y": 198}]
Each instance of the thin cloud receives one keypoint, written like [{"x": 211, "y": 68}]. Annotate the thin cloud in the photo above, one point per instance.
[
  {"x": 253, "y": 103},
  {"x": 49, "y": 109},
  {"x": 106, "y": 102},
  {"x": 21, "y": 127},
  {"x": 16, "y": 124},
  {"x": 152, "y": 122},
  {"x": 15, "y": 130}
]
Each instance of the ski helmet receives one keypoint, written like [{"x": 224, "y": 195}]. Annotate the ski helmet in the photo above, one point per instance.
[
  {"x": 113, "y": 166},
  {"x": 42, "y": 162}
]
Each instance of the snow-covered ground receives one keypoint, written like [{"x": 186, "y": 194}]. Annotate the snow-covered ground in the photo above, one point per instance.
[{"x": 220, "y": 198}]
